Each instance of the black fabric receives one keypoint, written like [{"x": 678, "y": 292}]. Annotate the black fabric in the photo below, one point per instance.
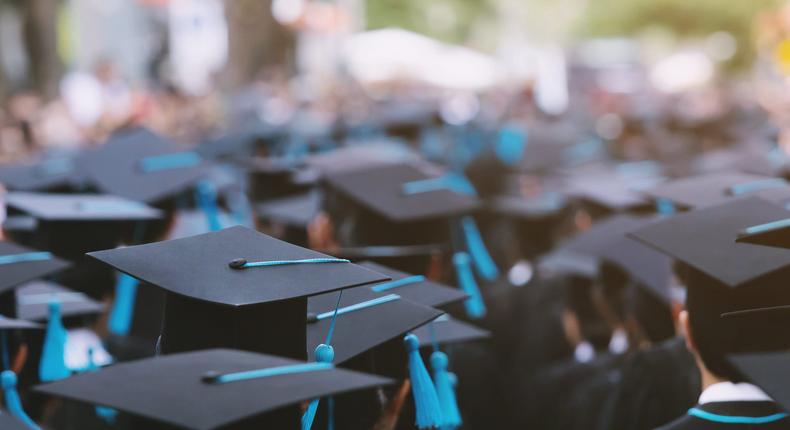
[{"x": 169, "y": 389}]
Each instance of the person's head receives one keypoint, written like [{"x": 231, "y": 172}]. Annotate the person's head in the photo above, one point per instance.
[{"x": 711, "y": 338}]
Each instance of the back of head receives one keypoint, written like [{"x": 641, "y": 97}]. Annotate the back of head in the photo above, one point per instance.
[{"x": 716, "y": 337}]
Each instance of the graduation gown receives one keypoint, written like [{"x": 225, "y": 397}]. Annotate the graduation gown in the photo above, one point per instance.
[{"x": 732, "y": 415}]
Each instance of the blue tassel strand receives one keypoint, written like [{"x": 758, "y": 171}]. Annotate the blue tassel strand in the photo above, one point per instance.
[
  {"x": 323, "y": 354},
  {"x": 426, "y": 403},
  {"x": 445, "y": 392},
  {"x": 120, "y": 321},
  {"x": 206, "y": 196},
  {"x": 12, "y": 402},
  {"x": 474, "y": 242},
  {"x": 475, "y": 307},
  {"x": 53, "y": 362}
]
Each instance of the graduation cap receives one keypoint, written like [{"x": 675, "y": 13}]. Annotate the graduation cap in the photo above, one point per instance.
[
  {"x": 140, "y": 165},
  {"x": 270, "y": 178},
  {"x": 446, "y": 330},
  {"x": 406, "y": 258},
  {"x": 47, "y": 207},
  {"x": 404, "y": 193},
  {"x": 211, "y": 389},
  {"x": 18, "y": 324},
  {"x": 235, "y": 287},
  {"x": 416, "y": 288},
  {"x": 706, "y": 240},
  {"x": 8, "y": 422},
  {"x": 706, "y": 190},
  {"x": 19, "y": 264},
  {"x": 292, "y": 211},
  {"x": 361, "y": 157},
  {"x": 366, "y": 319},
  {"x": 612, "y": 192},
  {"x": 544, "y": 205},
  {"x": 768, "y": 370},
  {"x": 606, "y": 241},
  {"x": 33, "y": 300},
  {"x": 47, "y": 174}
]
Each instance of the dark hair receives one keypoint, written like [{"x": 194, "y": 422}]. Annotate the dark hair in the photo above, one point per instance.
[
  {"x": 716, "y": 337},
  {"x": 652, "y": 313},
  {"x": 578, "y": 299}
]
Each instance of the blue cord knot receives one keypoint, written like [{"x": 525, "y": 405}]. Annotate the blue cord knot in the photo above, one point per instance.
[
  {"x": 439, "y": 360},
  {"x": 324, "y": 353}
]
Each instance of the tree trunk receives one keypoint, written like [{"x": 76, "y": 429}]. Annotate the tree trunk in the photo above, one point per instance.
[{"x": 256, "y": 42}]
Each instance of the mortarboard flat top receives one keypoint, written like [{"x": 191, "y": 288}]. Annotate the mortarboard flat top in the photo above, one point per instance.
[
  {"x": 18, "y": 268},
  {"x": 8, "y": 422},
  {"x": 361, "y": 157},
  {"x": 117, "y": 167},
  {"x": 361, "y": 330},
  {"x": 17, "y": 324},
  {"x": 706, "y": 240},
  {"x": 768, "y": 370},
  {"x": 384, "y": 251},
  {"x": 544, "y": 205},
  {"x": 298, "y": 210},
  {"x": 422, "y": 291},
  {"x": 170, "y": 388},
  {"x": 80, "y": 207},
  {"x": 607, "y": 241},
  {"x": 198, "y": 267},
  {"x": 39, "y": 175},
  {"x": 381, "y": 189},
  {"x": 33, "y": 301},
  {"x": 706, "y": 190},
  {"x": 446, "y": 330}
]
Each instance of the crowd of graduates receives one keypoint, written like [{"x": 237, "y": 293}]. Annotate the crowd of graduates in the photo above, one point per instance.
[{"x": 423, "y": 261}]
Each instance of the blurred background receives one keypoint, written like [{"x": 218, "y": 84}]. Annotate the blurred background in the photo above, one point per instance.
[{"x": 71, "y": 71}]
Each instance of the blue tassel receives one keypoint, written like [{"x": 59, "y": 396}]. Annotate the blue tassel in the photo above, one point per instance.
[
  {"x": 323, "y": 354},
  {"x": 120, "y": 321},
  {"x": 106, "y": 414},
  {"x": 475, "y": 307},
  {"x": 483, "y": 262},
  {"x": 12, "y": 401},
  {"x": 445, "y": 391},
  {"x": 510, "y": 145},
  {"x": 53, "y": 362},
  {"x": 426, "y": 402},
  {"x": 665, "y": 206},
  {"x": 206, "y": 196}
]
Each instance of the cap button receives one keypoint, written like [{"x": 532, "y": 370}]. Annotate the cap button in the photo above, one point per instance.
[
  {"x": 210, "y": 377},
  {"x": 237, "y": 263}
]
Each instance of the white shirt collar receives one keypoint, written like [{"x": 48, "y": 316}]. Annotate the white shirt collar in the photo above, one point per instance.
[{"x": 731, "y": 392}]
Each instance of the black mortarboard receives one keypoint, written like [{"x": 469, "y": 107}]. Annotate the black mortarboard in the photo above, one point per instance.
[
  {"x": 8, "y": 422},
  {"x": 139, "y": 165},
  {"x": 446, "y": 330},
  {"x": 388, "y": 191},
  {"x": 292, "y": 211},
  {"x": 214, "y": 299},
  {"x": 706, "y": 240},
  {"x": 80, "y": 207},
  {"x": 270, "y": 178},
  {"x": 48, "y": 174},
  {"x": 178, "y": 389},
  {"x": 610, "y": 191},
  {"x": 416, "y": 288},
  {"x": 706, "y": 190},
  {"x": 541, "y": 206},
  {"x": 382, "y": 317},
  {"x": 607, "y": 242},
  {"x": 772, "y": 233},
  {"x": 17, "y": 324},
  {"x": 33, "y": 300},
  {"x": 406, "y": 258},
  {"x": 361, "y": 157},
  {"x": 19, "y": 264},
  {"x": 768, "y": 370}
]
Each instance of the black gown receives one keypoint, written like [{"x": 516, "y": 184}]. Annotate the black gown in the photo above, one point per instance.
[{"x": 732, "y": 415}]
